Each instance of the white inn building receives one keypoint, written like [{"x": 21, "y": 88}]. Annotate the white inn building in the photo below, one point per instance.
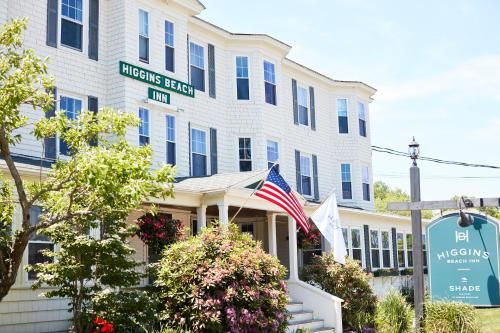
[{"x": 222, "y": 107}]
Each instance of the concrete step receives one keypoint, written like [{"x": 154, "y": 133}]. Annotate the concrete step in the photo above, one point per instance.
[
  {"x": 324, "y": 330},
  {"x": 301, "y": 316},
  {"x": 313, "y": 324},
  {"x": 294, "y": 307}
]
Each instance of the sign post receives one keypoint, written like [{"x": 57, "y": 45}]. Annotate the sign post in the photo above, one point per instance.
[{"x": 464, "y": 261}]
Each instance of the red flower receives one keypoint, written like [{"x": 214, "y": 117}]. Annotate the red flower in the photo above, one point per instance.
[
  {"x": 107, "y": 328},
  {"x": 99, "y": 321}
]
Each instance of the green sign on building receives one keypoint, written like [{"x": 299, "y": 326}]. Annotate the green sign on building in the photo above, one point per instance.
[
  {"x": 155, "y": 79},
  {"x": 158, "y": 96},
  {"x": 464, "y": 261}
]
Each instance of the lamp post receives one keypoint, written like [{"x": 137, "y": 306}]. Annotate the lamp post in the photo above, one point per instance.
[{"x": 416, "y": 222}]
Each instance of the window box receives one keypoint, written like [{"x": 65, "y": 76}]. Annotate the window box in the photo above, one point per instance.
[{"x": 385, "y": 272}]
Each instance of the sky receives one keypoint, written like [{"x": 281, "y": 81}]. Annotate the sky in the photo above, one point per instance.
[{"x": 435, "y": 64}]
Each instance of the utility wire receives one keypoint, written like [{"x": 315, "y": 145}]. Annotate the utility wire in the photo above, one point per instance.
[{"x": 431, "y": 159}]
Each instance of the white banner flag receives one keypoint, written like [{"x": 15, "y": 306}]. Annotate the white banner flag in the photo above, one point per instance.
[{"x": 327, "y": 219}]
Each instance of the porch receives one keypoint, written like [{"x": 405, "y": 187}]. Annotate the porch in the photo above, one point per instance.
[{"x": 227, "y": 198}]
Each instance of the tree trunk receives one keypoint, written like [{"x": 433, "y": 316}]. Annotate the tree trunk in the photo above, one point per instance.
[{"x": 8, "y": 280}]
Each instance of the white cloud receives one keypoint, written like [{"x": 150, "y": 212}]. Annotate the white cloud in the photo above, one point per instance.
[
  {"x": 477, "y": 77},
  {"x": 490, "y": 131}
]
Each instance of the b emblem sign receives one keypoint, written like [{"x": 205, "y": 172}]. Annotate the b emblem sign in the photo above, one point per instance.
[{"x": 464, "y": 261}]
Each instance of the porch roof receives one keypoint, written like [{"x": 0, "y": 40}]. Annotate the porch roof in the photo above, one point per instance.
[{"x": 219, "y": 182}]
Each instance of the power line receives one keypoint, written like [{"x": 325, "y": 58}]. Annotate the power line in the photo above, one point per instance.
[
  {"x": 431, "y": 159},
  {"x": 438, "y": 176}
]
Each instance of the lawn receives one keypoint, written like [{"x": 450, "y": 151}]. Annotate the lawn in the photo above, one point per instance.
[{"x": 490, "y": 320}]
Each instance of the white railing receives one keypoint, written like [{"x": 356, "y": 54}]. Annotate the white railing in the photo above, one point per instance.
[{"x": 324, "y": 305}]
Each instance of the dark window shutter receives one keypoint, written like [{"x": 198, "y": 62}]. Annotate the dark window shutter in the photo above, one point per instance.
[
  {"x": 368, "y": 260},
  {"x": 315, "y": 177},
  {"x": 295, "y": 102},
  {"x": 188, "y": 65},
  {"x": 52, "y": 22},
  {"x": 213, "y": 151},
  {"x": 297, "y": 171},
  {"x": 93, "y": 105},
  {"x": 50, "y": 143},
  {"x": 394, "y": 248},
  {"x": 94, "y": 29},
  {"x": 313, "y": 108},
  {"x": 189, "y": 144},
  {"x": 211, "y": 70}
]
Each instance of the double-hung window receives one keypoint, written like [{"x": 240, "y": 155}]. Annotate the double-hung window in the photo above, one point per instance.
[
  {"x": 143, "y": 36},
  {"x": 365, "y": 183},
  {"x": 199, "y": 152},
  {"x": 71, "y": 108},
  {"x": 242, "y": 79},
  {"x": 375, "y": 248},
  {"x": 169, "y": 46},
  {"x": 356, "y": 244},
  {"x": 345, "y": 234},
  {"x": 346, "y": 181},
  {"x": 362, "y": 119},
  {"x": 37, "y": 244},
  {"x": 409, "y": 250},
  {"x": 342, "y": 115},
  {"x": 305, "y": 175},
  {"x": 170, "y": 145},
  {"x": 247, "y": 228},
  {"x": 72, "y": 23},
  {"x": 273, "y": 154},
  {"x": 245, "y": 154},
  {"x": 386, "y": 250},
  {"x": 197, "y": 66},
  {"x": 302, "y": 100},
  {"x": 270, "y": 82},
  {"x": 144, "y": 126},
  {"x": 400, "y": 238}
]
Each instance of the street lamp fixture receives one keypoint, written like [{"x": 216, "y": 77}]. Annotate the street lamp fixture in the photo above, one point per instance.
[{"x": 414, "y": 151}]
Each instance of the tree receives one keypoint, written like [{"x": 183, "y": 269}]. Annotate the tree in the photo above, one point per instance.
[
  {"x": 490, "y": 211},
  {"x": 98, "y": 185},
  {"x": 385, "y": 194}
]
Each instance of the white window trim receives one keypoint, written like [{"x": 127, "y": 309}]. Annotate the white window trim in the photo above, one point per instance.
[
  {"x": 275, "y": 81},
  {"x": 341, "y": 181},
  {"x": 337, "y": 116},
  {"x": 365, "y": 119},
  {"x": 238, "y": 152},
  {"x": 253, "y": 224},
  {"x": 379, "y": 234},
  {"x": 140, "y": 35},
  {"x": 407, "y": 249},
  {"x": 361, "y": 239},
  {"x": 363, "y": 167},
  {"x": 207, "y": 148},
  {"x": 309, "y": 156},
  {"x": 391, "y": 263},
  {"x": 165, "y": 44},
  {"x": 279, "y": 151},
  {"x": 205, "y": 63},
  {"x": 58, "y": 108},
  {"x": 149, "y": 125},
  {"x": 308, "y": 102},
  {"x": 404, "y": 249},
  {"x": 175, "y": 135},
  {"x": 84, "y": 24},
  {"x": 235, "y": 69}
]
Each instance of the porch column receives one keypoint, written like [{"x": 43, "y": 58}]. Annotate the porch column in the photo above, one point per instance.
[
  {"x": 292, "y": 248},
  {"x": 223, "y": 214},
  {"x": 201, "y": 217},
  {"x": 271, "y": 233}
]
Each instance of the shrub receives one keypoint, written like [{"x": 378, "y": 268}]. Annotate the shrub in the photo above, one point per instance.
[
  {"x": 348, "y": 282},
  {"x": 133, "y": 310},
  {"x": 393, "y": 314},
  {"x": 408, "y": 291},
  {"x": 222, "y": 281},
  {"x": 443, "y": 317}
]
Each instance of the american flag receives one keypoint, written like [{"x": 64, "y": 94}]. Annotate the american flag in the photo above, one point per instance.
[{"x": 276, "y": 190}]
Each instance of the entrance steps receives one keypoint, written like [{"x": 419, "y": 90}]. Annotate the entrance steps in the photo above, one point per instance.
[{"x": 303, "y": 320}]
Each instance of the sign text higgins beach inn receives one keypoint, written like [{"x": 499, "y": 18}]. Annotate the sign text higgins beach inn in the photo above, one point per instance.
[
  {"x": 156, "y": 79},
  {"x": 475, "y": 255}
]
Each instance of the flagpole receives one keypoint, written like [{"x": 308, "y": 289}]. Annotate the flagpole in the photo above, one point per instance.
[{"x": 254, "y": 190}]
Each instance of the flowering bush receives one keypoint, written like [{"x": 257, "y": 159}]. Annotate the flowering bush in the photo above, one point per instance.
[
  {"x": 222, "y": 281},
  {"x": 348, "y": 282},
  {"x": 310, "y": 240},
  {"x": 159, "y": 230},
  {"x": 102, "y": 326}
]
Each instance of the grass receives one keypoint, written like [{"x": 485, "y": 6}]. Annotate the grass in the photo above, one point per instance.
[{"x": 489, "y": 320}]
